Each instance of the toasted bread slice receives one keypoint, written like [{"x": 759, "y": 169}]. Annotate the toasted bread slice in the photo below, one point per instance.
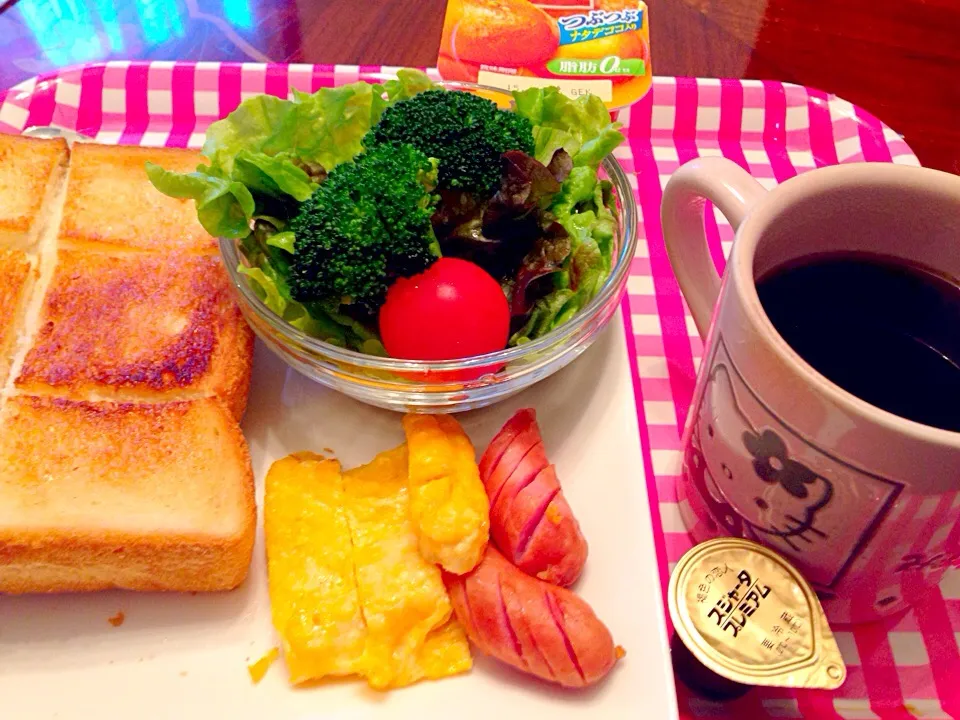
[
  {"x": 16, "y": 276},
  {"x": 139, "y": 326},
  {"x": 31, "y": 170},
  {"x": 137, "y": 496},
  {"x": 111, "y": 203}
]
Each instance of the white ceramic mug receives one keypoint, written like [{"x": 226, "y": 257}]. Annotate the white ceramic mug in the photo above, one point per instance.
[{"x": 864, "y": 502}]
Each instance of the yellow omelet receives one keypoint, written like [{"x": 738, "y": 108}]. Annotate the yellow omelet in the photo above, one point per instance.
[
  {"x": 402, "y": 595},
  {"x": 350, "y": 592},
  {"x": 310, "y": 563},
  {"x": 445, "y": 652},
  {"x": 448, "y": 504}
]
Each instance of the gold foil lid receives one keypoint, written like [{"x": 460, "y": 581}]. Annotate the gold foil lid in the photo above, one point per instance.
[{"x": 746, "y": 614}]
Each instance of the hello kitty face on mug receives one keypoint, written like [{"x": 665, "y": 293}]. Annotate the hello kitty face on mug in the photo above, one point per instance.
[{"x": 750, "y": 470}]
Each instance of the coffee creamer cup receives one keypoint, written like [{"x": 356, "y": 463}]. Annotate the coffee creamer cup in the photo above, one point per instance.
[{"x": 744, "y": 613}]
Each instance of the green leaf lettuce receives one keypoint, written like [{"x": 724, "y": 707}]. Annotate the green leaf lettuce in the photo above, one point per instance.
[
  {"x": 259, "y": 154},
  {"x": 581, "y": 208},
  {"x": 582, "y": 127}
]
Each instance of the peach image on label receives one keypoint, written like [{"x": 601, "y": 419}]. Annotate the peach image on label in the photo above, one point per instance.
[{"x": 510, "y": 33}]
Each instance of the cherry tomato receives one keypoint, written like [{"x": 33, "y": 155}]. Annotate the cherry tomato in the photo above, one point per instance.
[{"x": 454, "y": 309}]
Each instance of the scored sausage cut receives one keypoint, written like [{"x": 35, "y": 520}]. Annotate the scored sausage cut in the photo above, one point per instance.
[
  {"x": 530, "y": 624},
  {"x": 530, "y": 520}
]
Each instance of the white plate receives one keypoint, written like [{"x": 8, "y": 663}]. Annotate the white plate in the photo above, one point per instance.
[{"x": 183, "y": 656}]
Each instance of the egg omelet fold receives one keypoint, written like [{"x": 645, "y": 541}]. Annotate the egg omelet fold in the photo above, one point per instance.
[
  {"x": 350, "y": 592},
  {"x": 402, "y": 595},
  {"x": 448, "y": 504},
  {"x": 310, "y": 563}
]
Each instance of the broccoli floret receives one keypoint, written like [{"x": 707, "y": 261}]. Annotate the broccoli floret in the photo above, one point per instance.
[
  {"x": 367, "y": 224},
  {"x": 465, "y": 132}
]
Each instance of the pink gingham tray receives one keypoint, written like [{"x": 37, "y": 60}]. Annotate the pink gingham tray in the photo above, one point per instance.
[{"x": 907, "y": 667}]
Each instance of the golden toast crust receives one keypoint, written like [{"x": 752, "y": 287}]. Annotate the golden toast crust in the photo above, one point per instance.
[
  {"x": 27, "y": 166},
  {"x": 112, "y": 205},
  {"x": 122, "y": 464},
  {"x": 140, "y": 325},
  {"x": 16, "y": 273},
  {"x": 138, "y": 496}
]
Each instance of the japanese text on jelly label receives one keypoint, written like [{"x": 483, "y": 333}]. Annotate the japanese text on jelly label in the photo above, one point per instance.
[{"x": 598, "y": 23}]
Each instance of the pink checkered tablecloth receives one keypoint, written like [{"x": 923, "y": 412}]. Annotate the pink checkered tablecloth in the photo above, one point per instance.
[{"x": 907, "y": 667}]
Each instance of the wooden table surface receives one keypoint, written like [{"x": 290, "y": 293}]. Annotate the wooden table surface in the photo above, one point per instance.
[{"x": 899, "y": 59}]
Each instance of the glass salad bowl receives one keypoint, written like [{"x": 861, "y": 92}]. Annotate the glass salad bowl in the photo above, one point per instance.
[{"x": 451, "y": 385}]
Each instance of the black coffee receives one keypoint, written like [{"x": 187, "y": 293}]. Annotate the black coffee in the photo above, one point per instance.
[{"x": 883, "y": 330}]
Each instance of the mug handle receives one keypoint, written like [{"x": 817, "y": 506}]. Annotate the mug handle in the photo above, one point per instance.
[{"x": 730, "y": 188}]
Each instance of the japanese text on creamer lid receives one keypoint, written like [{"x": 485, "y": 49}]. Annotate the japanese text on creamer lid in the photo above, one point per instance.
[{"x": 749, "y": 616}]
